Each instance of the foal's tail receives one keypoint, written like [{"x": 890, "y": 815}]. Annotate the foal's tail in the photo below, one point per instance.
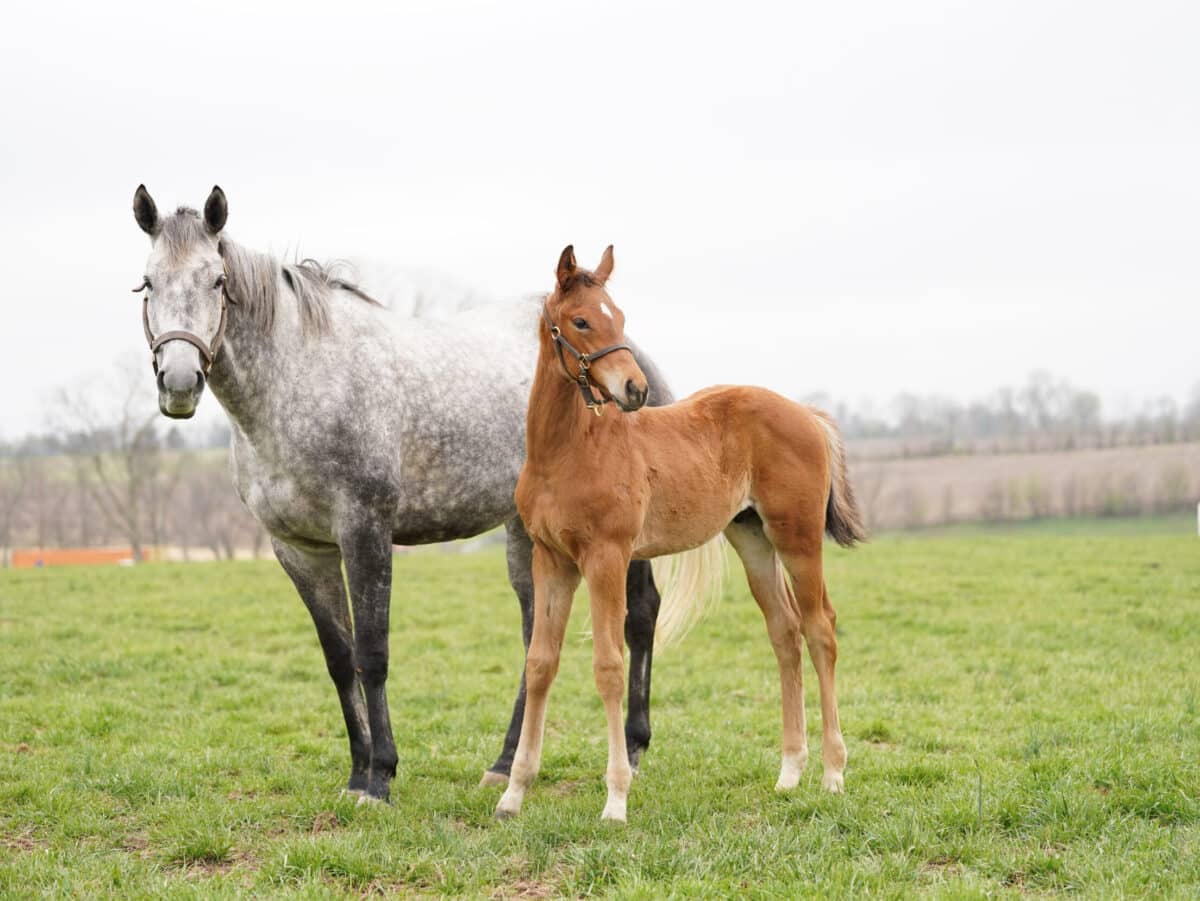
[
  {"x": 691, "y": 582},
  {"x": 843, "y": 521}
]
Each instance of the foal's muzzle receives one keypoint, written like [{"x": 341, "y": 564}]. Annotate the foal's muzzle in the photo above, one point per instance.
[{"x": 635, "y": 397}]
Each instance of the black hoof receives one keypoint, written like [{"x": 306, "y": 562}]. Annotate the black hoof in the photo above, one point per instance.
[{"x": 635, "y": 757}]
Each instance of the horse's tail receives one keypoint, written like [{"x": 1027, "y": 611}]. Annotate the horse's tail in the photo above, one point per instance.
[
  {"x": 843, "y": 521},
  {"x": 691, "y": 583}
]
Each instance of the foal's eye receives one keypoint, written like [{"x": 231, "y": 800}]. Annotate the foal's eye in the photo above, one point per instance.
[{"x": 579, "y": 323}]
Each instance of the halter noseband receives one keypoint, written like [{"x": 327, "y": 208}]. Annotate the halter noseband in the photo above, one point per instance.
[
  {"x": 208, "y": 352},
  {"x": 583, "y": 378}
]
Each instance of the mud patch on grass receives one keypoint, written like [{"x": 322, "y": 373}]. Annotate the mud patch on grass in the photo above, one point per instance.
[
  {"x": 22, "y": 841},
  {"x": 325, "y": 821},
  {"x": 524, "y": 888}
]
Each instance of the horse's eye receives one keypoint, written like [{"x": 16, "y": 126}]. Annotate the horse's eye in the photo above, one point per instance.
[
  {"x": 144, "y": 286},
  {"x": 220, "y": 280},
  {"x": 579, "y": 323}
]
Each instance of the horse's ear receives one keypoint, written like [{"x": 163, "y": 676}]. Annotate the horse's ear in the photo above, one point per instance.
[
  {"x": 216, "y": 211},
  {"x": 145, "y": 212},
  {"x": 566, "y": 264},
  {"x": 604, "y": 270}
]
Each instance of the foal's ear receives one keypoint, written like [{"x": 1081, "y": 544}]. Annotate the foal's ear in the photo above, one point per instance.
[
  {"x": 604, "y": 270},
  {"x": 566, "y": 264},
  {"x": 216, "y": 211},
  {"x": 144, "y": 211}
]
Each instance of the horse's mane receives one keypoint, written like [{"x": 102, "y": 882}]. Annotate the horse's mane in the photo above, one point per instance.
[{"x": 253, "y": 278}]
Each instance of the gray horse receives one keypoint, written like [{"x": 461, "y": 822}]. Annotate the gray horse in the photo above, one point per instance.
[{"x": 354, "y": 428}]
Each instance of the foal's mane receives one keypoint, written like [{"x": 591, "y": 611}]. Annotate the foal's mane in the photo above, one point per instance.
[{"x": 253, "y": 277}]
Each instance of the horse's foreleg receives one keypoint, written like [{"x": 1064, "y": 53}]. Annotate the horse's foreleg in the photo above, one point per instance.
[
  {"x": 367, "y": 550},
  {"x": 520, "y": 577},
  {"x": 317, "y": 576},
  {"x": 555, "y": 579},
  {"x": 643, "y": 601},
  {"x": 605, "y": 570}
]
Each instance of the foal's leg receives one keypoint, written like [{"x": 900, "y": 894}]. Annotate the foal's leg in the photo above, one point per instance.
[
  {"x": 768, "y": 584},
  {"x": 640, "y": 619},
  {"x": 605, "y": 569},
  {"x": 317, "y": 576},
  {"x": 801, "y": 555},
  {"x": 555, "y": 579},
  {"x": 643, "y": 601},
  {"x": 367, "y": 549},
  {"x": 520, "y": 577}
]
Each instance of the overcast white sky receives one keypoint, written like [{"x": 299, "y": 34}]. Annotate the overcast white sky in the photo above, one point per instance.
[{"x": 860, "y": 198}]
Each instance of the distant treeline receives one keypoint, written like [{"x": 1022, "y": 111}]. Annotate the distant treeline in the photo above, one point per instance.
[
  {"x": 1046, "y": 414},
  {"x": 1043, "y": 450}
]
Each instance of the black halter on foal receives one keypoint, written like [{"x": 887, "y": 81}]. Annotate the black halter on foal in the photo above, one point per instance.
[{"x": 583, "y": 378}]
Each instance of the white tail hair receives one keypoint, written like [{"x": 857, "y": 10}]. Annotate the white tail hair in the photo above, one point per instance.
[{"x": 690, "y": 583}]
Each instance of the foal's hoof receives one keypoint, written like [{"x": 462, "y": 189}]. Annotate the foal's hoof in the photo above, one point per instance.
[
  {"x": 491, "y": 777},
  {"x": 503, "y": 815},
  {"x": 833, "y": 783},
  {"x": 790, "y": 771},
  {"x": 613, "y": 817}
]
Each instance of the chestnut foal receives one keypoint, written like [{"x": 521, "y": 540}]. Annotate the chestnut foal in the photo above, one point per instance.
[{"x": 597, "y": 491}]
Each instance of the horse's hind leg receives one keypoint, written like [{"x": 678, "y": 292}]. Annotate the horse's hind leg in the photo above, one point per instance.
[
  {"x": 317, "y": 576},
  {"x": 768, "y": 584},
  {"x": 643, "y": 600},
  {"x": 801, "y": 554},
  {"x": 520, "y": 577}
]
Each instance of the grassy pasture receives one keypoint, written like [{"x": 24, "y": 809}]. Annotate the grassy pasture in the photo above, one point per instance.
[{"x": 1021, "y": 711}]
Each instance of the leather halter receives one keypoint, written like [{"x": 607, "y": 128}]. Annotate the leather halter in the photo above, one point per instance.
[
  {"x": 583, "y": 378},
  {"x": 208, "y": 351}
]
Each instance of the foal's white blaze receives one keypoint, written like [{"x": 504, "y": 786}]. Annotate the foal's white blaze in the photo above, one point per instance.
[{"x": 605, "y": 310}]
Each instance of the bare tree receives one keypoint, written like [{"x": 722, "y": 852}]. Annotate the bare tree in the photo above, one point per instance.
[
  {"x": 118, "y": 455},
  {"x": 14, "y": 482}
]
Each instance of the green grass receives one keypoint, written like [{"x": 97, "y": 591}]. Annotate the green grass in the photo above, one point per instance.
[{"x": 1021, "y": 714}]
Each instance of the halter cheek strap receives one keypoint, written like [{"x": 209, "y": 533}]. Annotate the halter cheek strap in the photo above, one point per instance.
[
  {"x": 583, "y": 377},
  {"x": 208, "y": 352}
]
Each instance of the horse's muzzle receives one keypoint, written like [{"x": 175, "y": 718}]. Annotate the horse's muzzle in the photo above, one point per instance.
[{"x": 179, "y": 392}]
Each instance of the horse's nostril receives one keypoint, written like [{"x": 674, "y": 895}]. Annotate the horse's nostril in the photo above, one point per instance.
[
  {"x": 177, "y": 382},
  {"x": 634, "y": 393}
]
